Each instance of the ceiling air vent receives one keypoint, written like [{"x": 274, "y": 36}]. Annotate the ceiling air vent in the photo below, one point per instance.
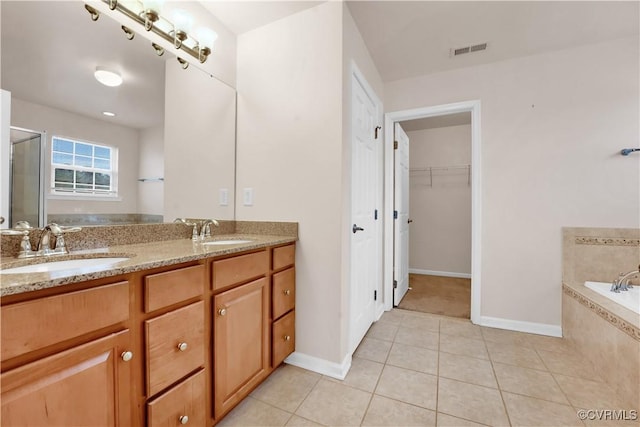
[{"x": 468, "y": 49}]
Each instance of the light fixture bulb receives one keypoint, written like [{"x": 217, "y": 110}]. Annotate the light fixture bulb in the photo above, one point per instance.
[
  {"x": 109, "y": 114},
  {"x": 206, "y": 37},
  {"x": 108, "y": 77},
  {"x": 182, "y": 21}
]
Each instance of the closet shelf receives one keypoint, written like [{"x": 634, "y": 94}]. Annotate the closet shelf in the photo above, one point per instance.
[
  {"x": 150, "y": 179},
  {"x": 429, "y": 171}
]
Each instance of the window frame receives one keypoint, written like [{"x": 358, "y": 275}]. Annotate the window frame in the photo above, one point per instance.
[{"x": 79, "y": 193}]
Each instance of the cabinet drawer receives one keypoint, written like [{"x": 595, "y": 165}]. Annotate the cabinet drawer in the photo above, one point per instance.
[
  {"x": 284, "y": 292},
  {"x": 187, "y": 399},
  {"x": 36, "y": 324},
  {"x": 239, "y": 269},
  {"x": 166, "y": 361},
  {"x": 170, "y": 287},
  {"x": 284, "y": 338},
  {"x": 284, "y": 256}
]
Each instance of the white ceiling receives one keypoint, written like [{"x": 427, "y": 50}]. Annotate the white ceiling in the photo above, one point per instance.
[
  {"x": 413, "y": 38},
  {"x": 50, "y": 50},
  {"x": 455, "y": 119}
]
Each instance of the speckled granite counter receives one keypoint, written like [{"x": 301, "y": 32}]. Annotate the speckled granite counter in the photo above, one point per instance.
[{"x": 141, "y": 256}]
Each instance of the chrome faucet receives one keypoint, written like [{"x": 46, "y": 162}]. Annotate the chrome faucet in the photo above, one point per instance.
[
  {"x": 622, "y": 283},
  {"x": 205, "y": 227},
  {"x": 43, "y": 247}
]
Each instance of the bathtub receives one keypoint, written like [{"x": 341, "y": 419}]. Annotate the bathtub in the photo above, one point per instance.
[{"x": 628, "y": 299}]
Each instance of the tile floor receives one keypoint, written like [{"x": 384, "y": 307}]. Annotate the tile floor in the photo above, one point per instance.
[{"x": 416, "y": 369}]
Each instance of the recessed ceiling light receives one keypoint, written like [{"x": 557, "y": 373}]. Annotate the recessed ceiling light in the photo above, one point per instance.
[
  {"x": 109, "y": 113},
  {"x": 108, "y": 77}
]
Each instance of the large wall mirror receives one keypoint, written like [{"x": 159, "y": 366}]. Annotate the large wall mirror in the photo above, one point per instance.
[{"x": 172, "y": 135}]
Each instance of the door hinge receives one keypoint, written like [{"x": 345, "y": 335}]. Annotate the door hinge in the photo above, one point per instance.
[
  {"x": 375, "y": 295},
  {"x": 376, "y": 131},
  {"x": 395, "y": 214},
  {"x": 395, "y": 145},
  {"x": 375, "y": 214},
  {"x": 395, "y": 284}
]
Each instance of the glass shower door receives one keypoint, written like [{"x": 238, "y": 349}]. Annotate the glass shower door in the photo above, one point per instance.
[{"x": 27, "y": 179}]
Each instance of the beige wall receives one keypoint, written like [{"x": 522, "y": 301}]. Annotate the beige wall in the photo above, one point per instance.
[
  {"x": 61, "y": 123},
  {"x": 440, "y": 234},
  {"x": 199, "y": 144},
  {"x": 151, "y": 155},
  {"x": 552, "y": 128}
]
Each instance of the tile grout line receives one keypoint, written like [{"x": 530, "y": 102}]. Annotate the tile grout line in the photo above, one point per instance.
[{"x": 495, "y": 376}]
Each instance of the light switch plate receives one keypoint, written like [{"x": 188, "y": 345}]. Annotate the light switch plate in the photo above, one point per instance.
[
  {"x": 224, "y": 197},
  {"x": 248, "y": 197}
]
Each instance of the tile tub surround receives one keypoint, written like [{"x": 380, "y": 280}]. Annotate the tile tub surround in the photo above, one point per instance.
[
  {"x": 605, "y": 333},
  {"x": 518, "y": 379}
]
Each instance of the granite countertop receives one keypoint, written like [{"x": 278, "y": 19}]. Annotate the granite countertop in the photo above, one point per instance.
[{"x": 141, "y": 256}]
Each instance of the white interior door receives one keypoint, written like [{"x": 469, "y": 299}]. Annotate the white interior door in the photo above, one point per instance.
[
  {"x": 364, "y": 227},
  {"x": 401, "y": 215}
]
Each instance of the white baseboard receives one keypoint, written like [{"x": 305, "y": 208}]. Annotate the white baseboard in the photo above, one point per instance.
[
  {"x": 520, "y": 326},
  {"x": 321, "y": 366},
  {"x": 440, "y": 273}
]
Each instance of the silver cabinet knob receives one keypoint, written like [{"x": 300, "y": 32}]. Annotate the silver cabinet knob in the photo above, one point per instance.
[
  {"x": 286, "y": 337},
  {"x": 182, "y": 346},
  {"x": 126, "y": 356},
  {"x": 286, "y": 292},
  {"x": 183, "y": 419},
  {"x": 222, "y": 312}
]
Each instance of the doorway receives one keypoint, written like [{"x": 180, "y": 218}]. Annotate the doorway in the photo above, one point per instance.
[{"x": 472, "y": 110}]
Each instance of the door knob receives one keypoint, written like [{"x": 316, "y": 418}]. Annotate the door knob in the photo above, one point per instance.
[
  {"x": 126, "y": 356},
  {"x": 222, "y": 312},
  {"x": 355, "y": 229}
]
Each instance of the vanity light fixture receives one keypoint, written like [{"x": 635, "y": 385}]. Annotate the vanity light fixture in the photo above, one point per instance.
[
  {"x": 177, "y": 31},
  {"x": 184, "y": 64},
  {"x": 108, "y": 77},
  {"x": 159, "y": 49}
]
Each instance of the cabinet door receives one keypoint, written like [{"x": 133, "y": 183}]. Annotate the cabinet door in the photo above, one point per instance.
[
  {"x": 88, "y": 385},
  {"x": 241, "y": 342}
]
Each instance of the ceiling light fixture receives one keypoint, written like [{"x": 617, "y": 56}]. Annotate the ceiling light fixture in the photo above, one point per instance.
[
  {"x": 148, "y": 14},
  {"x": 109, "y": 113},
  {"x": 108, "y": 77}
]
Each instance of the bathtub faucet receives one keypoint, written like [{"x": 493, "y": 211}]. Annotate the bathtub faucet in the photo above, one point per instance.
[{"x": 622, "y": 283}]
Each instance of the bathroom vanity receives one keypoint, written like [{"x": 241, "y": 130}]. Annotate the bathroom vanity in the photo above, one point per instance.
[{"x": 176, "y": 341}]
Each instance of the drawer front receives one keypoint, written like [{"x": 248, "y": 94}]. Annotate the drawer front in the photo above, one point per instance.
[
  {"x": 284, "y": 256},
  {"x": 36, "y": 324},
  {"x": 167, "y": 362},
  {"x": 284, "y": 338},
  {"x": 229, "y": 271},
  {"x": 284, "y": 292},
  {"x": 182, "y": 405},
  {"x": 171, "y": 287}
]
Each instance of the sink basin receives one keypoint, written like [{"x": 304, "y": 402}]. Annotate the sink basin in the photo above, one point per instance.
[
  {"x": 70, "y": 264},
  {"x": 227, "y": 242}
]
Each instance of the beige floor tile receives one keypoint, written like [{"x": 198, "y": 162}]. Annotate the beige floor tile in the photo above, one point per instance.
[
  {"x": 388, "y": 412},
  {"x": 460, "y": 328},
  {"x": 408, "y": 386},
  {"x": 444, "y": 420},
  {"x": 571, "y": 364},
  {"x": 286, "y": 387},
  {"x": 512, "y": 354},
  {"x": 583, "y": 393},
  {"x": 471, "y": 402},
  {"x": 417, "y": 338},
  {"x": 334, "y": 404},
  {"x": 463, "y": 346},
  {"x": 527, "y": 411},
  {"x": 425, "y": 323},
  {"x": 529, "y": 382},
  {"x": 541, "y": 342},
  {"x": 415, "y": 358},
  {"x": 373, "y": 349},
  {"x": 467, "y": 369},
  {"x": 507, "y": 337},
  {"x": 252, "y": 412},
  {"x": 382, "y": 330},
  {"x": 393, "y": 316},
  {"x": 296, "y": 421},
  {"x": 363, "y": 374}
]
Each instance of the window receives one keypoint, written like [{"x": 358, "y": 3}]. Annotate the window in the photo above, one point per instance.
[{"x": 82, "y": 168}]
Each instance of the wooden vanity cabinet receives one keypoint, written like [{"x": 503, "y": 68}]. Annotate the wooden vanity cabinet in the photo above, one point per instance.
[{"x": 283, "y": 303}]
